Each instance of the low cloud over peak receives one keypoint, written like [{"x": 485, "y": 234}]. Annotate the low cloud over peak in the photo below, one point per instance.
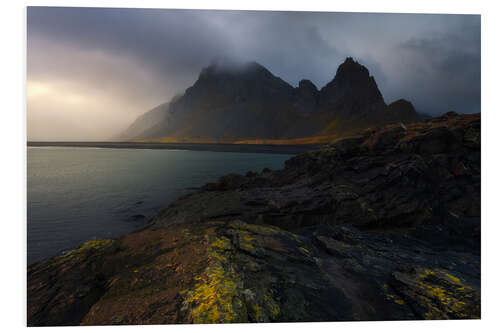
[{"x": 92, "y": 71}]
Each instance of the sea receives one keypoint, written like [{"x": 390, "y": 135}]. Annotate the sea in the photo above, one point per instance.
[{"x": 76, "y": 194}]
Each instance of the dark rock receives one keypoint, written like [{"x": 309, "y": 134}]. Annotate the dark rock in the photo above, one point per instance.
[
  {"x": 436, "y": 294},
  {"x": 251, "y": 174},
  {"x": 221, "y": 272},
  {"x": 63, "y": 289},
  {"x": 387, "y": 177},
  {"x": 229, "y": 182},
  {"x": 382, "y": 226},
  {"x": 231, "y": 102},
  {"x": 305, "y": 98},
  {"x": 138, "y": 217},
  {"x": 352, "y": 92},
  {"x": 403, "y": 111},
  {"x": 450, "y": 114}
]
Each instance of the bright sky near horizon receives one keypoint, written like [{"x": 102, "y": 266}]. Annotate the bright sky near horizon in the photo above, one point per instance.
[{"x": 92, "y": 71}]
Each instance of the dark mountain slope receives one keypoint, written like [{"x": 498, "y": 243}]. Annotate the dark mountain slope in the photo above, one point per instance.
[
  {"x": 231, "y": 102},
  {"x": 158, "y": 115},
  {"x": 352, "y": 93}
]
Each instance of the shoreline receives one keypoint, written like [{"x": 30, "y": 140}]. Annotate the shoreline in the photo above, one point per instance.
[
  {"x": 215, "y": 147},
  {"x": 144, "y": 209},
  {"x": 363, "y": 230}
]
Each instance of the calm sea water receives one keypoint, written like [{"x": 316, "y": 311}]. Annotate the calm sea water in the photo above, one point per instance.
[{"x": 79, "y": 194}]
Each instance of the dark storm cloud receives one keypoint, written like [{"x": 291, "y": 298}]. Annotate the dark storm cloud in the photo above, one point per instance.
[
  {"x": 451, "y": 64},
  {"x": 172, "y": 44},
  {"x": 110, "y": 65},
  {"x": 290, "y": 44}
]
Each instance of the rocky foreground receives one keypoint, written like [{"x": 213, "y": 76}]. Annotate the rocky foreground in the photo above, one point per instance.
[{"x": 381, "y": 226}]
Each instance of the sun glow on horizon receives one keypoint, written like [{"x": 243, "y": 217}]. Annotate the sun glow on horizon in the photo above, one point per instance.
[{"x": 36, "y": 89}]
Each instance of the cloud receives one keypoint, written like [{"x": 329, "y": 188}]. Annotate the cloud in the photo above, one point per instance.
[
  {"x": 448, "y": 66},
  {"x": 90, "y": 94},
  {"x": 122, "y": 62}
]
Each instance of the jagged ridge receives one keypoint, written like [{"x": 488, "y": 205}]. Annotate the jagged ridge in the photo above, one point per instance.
[{"x": 231, "y": 102}]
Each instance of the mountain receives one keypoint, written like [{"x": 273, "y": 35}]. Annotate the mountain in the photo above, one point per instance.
[
  {"x": 232, "y": 102},
  {"x": 146, "y": 121},
  {"x": 382, "y": 226},
  {"x": 353, "y": 92},
  {"x": 424, "y": 116}
]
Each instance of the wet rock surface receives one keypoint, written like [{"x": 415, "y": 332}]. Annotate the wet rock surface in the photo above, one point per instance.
[
  {"x": 222, "y": 272},
  {"x": 426, "y": 174},
  {"x": 382, "y": 226}
]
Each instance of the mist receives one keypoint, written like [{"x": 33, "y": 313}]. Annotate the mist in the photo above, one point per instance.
[{"x": 92, "y": 71}]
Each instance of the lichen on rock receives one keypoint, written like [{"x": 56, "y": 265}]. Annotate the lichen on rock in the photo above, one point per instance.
[
  {"x": 436, "y": 293},
  {"x": 219, "y": 295},
  {"x": 382, "y": 226}
]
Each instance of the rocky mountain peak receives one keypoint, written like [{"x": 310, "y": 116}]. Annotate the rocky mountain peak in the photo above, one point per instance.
[
  {"x": 402, "y": 110},
  {"x": 352, "y": 91},
  {"x": 226, "y": 83},
  {"x": 305, "y": 98},
  {"x": 307, "y": 85},
  {"x": 243, "y": 100},
  {"x": 224, "y": 67},
  {"x": 352, "y": 70},
  {"x": 402, "y": 104}
]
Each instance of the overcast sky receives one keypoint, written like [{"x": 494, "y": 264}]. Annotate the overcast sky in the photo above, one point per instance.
[{"x": 92, "y": 71}]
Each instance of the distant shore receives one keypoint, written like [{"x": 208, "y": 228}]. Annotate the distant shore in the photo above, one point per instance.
[
  {"x": 385, "y": 226},
  {"x": 219, "y": 147}
]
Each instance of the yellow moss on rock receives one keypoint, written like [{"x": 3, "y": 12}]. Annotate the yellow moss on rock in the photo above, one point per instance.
[
  {"x": 90, "y": 245},
  {"x": 395, "y": 299},
  {"x": 296, "y": 238},
  {"x": 306, "y": 251},
  {"x": 221, "y": 243},
  {"x": 272, "y": 305},
  {"x": 246, "y": 241},
  {"x": 259, "y": 315},
  {"x": 260, "y": 229},
  {"x": 216, "y": 298},
  {"x": 444, "y": 295},
  {"x": 218, "y": 295}
]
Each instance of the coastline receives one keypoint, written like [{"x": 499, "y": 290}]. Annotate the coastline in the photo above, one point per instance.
[
  {"x": 216, "y": 147},
  {"x": 111, "y": 191},
  {"x": 366, "y": 229}
]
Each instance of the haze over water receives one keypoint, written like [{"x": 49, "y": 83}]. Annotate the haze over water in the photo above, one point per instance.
[{"x": 79, "y": 194}]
